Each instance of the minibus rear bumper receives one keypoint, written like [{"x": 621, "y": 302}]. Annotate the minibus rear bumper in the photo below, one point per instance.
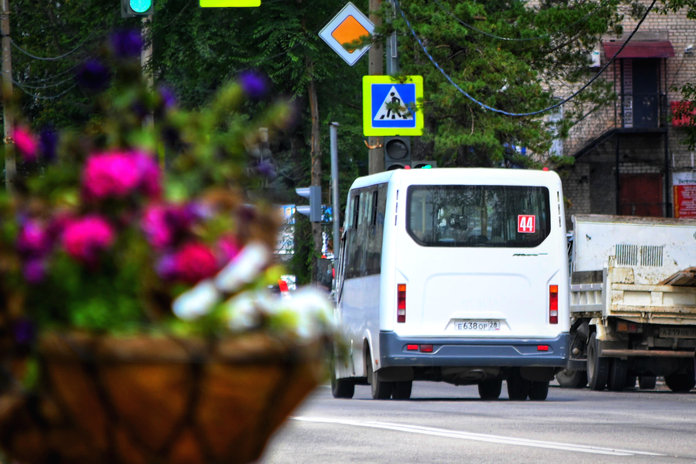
[{"x": 494, "y": 352}]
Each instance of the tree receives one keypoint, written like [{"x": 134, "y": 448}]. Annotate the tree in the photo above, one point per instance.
[{"x": 506, "y": 56}]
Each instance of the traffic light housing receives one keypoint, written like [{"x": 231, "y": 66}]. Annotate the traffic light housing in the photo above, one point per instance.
[
  {"x": 132, "y": 8},
  {"x": 397, "y": 152},
  {"x": 423, "y": 164},
  {"x": 314, "y": 210}
]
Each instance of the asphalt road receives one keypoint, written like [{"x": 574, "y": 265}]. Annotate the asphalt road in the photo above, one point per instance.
[{"x": 448, "y": 424}]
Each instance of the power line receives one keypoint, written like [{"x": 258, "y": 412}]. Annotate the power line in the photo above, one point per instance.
[
  {"x": 531, "y": 113},
  {"x": 45, "y": 86},
  {"x": 44, "y": 97},
  {"x": 511, "y": 39},
  {"x": 48, "y": 58}
]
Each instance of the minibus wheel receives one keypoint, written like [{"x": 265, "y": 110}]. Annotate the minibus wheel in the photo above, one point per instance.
[
  {"x": 342, "y": 388},
  {"x": 538, "y": 391},
  {"x": 402, "y": 390},
  {"x": 517, "y": 386},
  {"x": 381, "y": 390},
  {"x": 489, "y": 389}
]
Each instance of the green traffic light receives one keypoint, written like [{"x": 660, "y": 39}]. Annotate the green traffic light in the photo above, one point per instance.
[{"x": 140, "y": 6}]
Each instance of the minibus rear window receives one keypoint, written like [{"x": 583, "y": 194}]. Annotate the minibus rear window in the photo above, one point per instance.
[{"x": 478, "y": 215}]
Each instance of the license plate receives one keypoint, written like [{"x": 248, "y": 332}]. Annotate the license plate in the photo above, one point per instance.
[
  {"x": 477, "y": 325},
  {"x": 677, "y": 332}
]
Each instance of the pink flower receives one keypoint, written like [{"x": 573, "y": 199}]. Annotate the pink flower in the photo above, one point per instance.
[
  {"x": 112, "y": 174},
  {"x": 25, "y": 142},
  {"x": 118, "y": 174},
  {"x": 195, "y": 262},
  {"x": 154, "y": 224},
  {"x": 85, "y": 237},
  {"x": 165, "y": 224},
  {"x": 229, "y": 248},
  {"x": 151, "y": 181}
]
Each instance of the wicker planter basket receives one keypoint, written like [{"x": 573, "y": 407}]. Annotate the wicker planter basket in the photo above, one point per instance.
[{"x": 149, "y": 399}]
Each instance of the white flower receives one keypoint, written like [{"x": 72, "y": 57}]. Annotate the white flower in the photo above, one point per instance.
[
  {"x": 242, "y": 311},
  {"x": 197, "y": 301},
  {"x": 244, "y": 268},
  {"x": 307, "y": 312}
]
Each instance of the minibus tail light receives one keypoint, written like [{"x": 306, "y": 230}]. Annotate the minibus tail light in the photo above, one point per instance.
[
  {"x": 401, "y": 303},
  {"x": 553, "y": 304}
]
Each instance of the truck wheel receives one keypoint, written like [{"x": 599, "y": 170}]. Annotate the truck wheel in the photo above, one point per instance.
[
  {"x": 570, "y": 378},
  {"x": 490, "y": 389},
  {"x": 597, "y": 368},
  {"x": 342, "y": 388},
  {"x": 517, "y": 387},
  {"x": 402, "y": 390},
  {"x": 618, "y": 372},
  {"x": 538, "y": 391},
  {"x": 682, "y": 380},
  {"x": 647, "y": 382},
  {"x": 381, "y": 390}
]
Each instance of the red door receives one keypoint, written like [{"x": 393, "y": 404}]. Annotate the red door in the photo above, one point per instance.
[{"x": 641, "y": 195}]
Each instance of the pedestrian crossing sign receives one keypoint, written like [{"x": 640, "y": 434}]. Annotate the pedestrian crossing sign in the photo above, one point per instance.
[{"x": 390, "y": 105}]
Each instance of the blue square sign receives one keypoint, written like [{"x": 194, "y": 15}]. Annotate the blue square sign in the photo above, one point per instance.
[{"x": 390, "y": 107}]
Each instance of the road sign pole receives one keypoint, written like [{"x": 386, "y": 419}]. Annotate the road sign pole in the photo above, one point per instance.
[
  {"x": 335, "y": 206},
  {"x": 375, "y": 68},
  {"x": 391, "y": 47}
]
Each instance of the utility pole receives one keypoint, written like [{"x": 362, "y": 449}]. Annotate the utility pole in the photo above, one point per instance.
[
  {"x": 375, "y": 68},
  {"x": 10, "y": 162}
]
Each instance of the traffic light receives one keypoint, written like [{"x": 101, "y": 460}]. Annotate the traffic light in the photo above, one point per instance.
[
  {"x": 313, "y": 193},
  {"x": 397, "y": 152},
  {"x": 423, "y": 164},
  {"x": 131, "y": 8}
]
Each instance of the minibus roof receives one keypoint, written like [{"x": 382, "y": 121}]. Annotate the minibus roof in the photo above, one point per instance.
[{"x": 482, "y": 176}]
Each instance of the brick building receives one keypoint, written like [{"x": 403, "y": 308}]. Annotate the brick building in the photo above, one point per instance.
[{"x": 630, "y": 157}]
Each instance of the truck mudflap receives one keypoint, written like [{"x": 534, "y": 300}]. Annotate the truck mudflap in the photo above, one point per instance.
[{"x": 500, "y": 352}]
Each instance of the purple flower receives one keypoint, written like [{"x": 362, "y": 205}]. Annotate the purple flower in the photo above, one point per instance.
[
  {"x": 127, "y": 43},
  {"x": 166, "y": 267},
  {"x": 266, "y": 169},
  {"x": 167, "y": 95},
  {"x": 48, "y": 142},
  {"x": 254, "y": 84},
  {"x": 93, "y": 75},
  {"x": 24, "y": 331},
  {"x": 34, "y": 270},
  {"x": 33, "y": 238}
]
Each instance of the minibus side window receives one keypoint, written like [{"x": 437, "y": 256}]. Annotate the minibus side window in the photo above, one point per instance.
[
  {"x": 353, "y": 252},
  {"x": 375, "y": 230}
]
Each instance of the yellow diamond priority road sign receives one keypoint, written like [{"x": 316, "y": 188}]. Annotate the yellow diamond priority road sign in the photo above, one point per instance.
[
  {"x": 349, "y": 25},
  {"x": 228, "y": 3}
]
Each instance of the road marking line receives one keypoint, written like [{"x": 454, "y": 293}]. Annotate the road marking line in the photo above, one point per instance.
[{"x": 477, "y": 436}]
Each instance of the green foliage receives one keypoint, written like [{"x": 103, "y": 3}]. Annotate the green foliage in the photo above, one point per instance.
[{"x": 508, "y": 55}]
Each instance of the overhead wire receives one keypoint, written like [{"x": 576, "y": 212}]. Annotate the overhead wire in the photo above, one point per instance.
[
  {"x": 531, "y": 113},
  {"x": 511, "y": 39},
  {"x": 48, "y": 58},
  {"x": 44, "y": 97}
]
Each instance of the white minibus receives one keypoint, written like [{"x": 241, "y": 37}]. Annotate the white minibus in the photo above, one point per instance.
[{"x": 454, "y": 274}]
